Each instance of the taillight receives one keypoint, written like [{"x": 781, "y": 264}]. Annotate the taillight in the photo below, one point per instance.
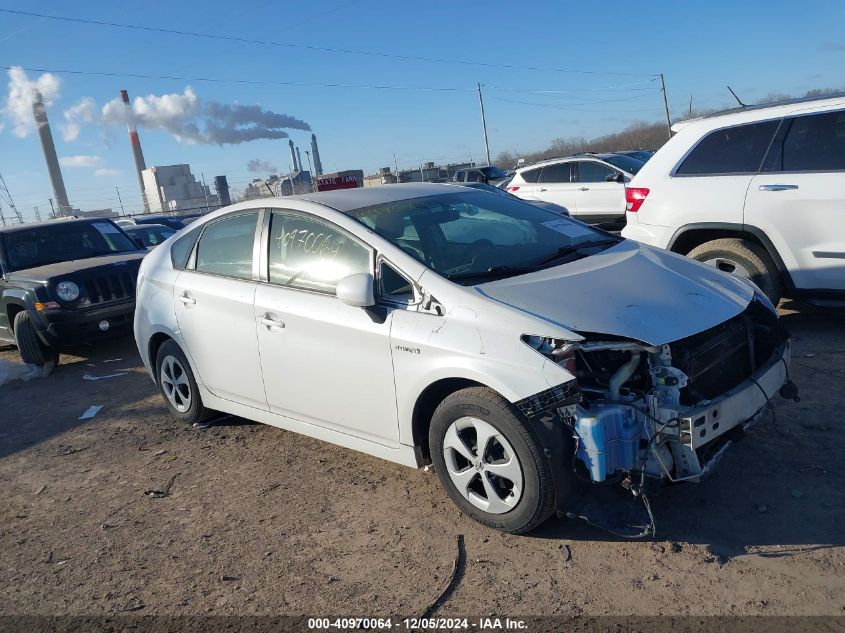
[
  {"x": 634, "y": 197},
  {"x": 513, "y": 188}
]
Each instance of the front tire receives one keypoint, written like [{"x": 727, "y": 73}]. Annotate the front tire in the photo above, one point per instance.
[
  {"x": 490, "y": 461},
  {"x": 178, "y": 386},
  {"x": 744, "y": 259},
  {"x": 32, "y": 350}
]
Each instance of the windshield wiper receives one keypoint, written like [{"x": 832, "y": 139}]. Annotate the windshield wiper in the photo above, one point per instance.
[
  {"x": 493, "y": 271},
  {"x": 565, "y": 251}
]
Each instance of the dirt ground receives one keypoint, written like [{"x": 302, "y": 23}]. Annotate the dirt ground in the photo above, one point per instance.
[{"x": 263, "y": 521}]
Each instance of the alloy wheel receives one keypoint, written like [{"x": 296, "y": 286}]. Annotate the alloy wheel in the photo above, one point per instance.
[
  {"x": 483, "y": 465},
  {"x": 729, "y": 266},
  {"x": 175, "y": 384}
]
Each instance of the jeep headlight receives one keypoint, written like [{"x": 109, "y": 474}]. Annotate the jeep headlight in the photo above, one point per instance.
[{"x": 67, "y": 291}]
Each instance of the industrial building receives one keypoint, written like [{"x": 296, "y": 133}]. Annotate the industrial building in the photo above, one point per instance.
[
  {"x": 426, "y": 172},
  {"x": 173, "y": 188}
]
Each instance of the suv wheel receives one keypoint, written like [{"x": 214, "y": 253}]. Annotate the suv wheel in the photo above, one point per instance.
[
  {"x": 178, "y": 386},
  {"x": 32, "y": 350},
  {"x": 744, "y": 259},
  {"x": 490, "y": 462}
]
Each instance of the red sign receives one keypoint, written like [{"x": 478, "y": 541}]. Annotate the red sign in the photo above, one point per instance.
[{"x": 331, "y": 183}]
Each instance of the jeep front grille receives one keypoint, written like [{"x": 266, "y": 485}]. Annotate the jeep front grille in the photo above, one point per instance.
[{"x": 112, "y": 287}]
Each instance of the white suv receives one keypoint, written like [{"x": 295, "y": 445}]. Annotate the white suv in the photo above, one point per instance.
[
  {"x": 591, "y": 186},
  {"x": 757, "y": 191}
]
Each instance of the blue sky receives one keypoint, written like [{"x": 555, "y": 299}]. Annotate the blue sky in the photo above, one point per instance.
[{"x": 757, "y": 47}]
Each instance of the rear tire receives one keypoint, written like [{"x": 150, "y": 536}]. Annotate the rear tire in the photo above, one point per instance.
[
  {"x": 32, "y": 350},
  {"x": 490, "y": 461},
  {"x": 178, "y": 386},
  {"x": 745, "y": 259}
]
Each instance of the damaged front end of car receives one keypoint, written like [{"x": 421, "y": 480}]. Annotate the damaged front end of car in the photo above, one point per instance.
[{"x": 638, "y": 416}]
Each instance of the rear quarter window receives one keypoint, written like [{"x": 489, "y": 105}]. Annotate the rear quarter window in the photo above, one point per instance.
[
  {"x": 734, "y": 150},
  {"x": 180, "y": 252},
  {"x": 530, "y": 175}
]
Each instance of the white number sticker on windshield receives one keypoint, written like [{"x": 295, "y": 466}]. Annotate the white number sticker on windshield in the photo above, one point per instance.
[{"x": 568, "y": 228}]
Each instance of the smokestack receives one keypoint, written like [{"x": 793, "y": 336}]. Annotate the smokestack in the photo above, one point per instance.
[
  {"x": 293, "y": 155},
  {"x": 135, "y": 142},
  {"x": 59, "y": 193},
  {"x": 299, "y": 159},
  {"x": 222, "y": 188},
  {"x": 315, "y": 154}
]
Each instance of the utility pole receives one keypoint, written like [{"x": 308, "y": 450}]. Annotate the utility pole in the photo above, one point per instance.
[
  {"x": 37, "y": 214},
  {"x": 122, "y": 210},
  {"x": 6, "y": 196},
  {"x": 484, "y": 123},
  {"x": 204, "y": 191},
  {"x": 52, "y": 208},
  {"x": 396, "y": 167},
  {"x": 690, "y": 105},
  {"x": 666, "y": 105}
]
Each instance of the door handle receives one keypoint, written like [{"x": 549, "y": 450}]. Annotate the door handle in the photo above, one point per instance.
[
  {"x": 541, "y": 189},
  {"x": 777, "y": 187},
  {"x": 187, "y": 300},
  {"x": 271, "y": 323},
  {"x": 583, "y": 189}
]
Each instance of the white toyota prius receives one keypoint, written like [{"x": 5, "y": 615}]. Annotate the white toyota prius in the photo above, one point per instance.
[{"x": 527, "y": 356}]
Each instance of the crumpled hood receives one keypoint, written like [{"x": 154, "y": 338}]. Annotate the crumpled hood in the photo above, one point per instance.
[
  {"x": 629, "y": 290},
  {"x": 113, "y": 263}
]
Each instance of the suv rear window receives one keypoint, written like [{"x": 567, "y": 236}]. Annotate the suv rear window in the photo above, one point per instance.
[{"x": 734, "y": 150}]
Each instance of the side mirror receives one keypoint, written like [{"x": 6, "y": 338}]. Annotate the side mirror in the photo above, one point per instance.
[{"x": 356, "y": 290}]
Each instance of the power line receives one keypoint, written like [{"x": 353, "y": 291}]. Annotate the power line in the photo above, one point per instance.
[
  {"x": 236, "y": 81},
  {"x": 325, "y": 49},
  {"x": 573, "y": 109},
  {"x": 271, "y": 82}
]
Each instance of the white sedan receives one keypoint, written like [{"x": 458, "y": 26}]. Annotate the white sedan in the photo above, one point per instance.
[{"x": 528, "y": 356}]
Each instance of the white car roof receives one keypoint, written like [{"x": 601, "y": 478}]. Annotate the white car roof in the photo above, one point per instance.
[
  {"x": 344, "y": 200},
  {"x": 736, "y": 116}
]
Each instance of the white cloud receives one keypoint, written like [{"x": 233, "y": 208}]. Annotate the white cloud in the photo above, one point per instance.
[
  {"x": 81, "y": 112},
  {"x": 103, "y": 171},
  {"x": 18, "y": 106},
  {"x": 80, "y": 161}
]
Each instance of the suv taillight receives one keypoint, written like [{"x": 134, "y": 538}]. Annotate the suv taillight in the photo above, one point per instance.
[
  {"x": 634, "y": 197},
  {"x": 513, "y": 188}
]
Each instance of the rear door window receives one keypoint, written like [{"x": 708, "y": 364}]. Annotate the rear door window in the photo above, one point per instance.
[
  {"x": 811, "y": 143},
  {"x": 734, "y": 150},
  {"x": 225, "y": 247},
  {"x": 591, "y": 171},
  {"x": 561, "y": 172}
]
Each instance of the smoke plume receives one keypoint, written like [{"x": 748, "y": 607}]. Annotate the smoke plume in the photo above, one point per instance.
[
  {"x": 194, "y": 121},
  {"x": 258, "y": 166},
  {"x": 18, "y": 106}
]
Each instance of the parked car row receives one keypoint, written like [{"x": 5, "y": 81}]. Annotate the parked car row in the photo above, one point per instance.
[{"x": 528, "y": 356}]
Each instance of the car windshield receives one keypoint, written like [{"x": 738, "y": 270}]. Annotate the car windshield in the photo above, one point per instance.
[
  {"x": 493, "y": 172},
  {"x": 150, "y": 234},
  {"x": 62, "y": 242},
  {"x": 629, "y": 164},
  {"x": 472, "y": 237}
]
